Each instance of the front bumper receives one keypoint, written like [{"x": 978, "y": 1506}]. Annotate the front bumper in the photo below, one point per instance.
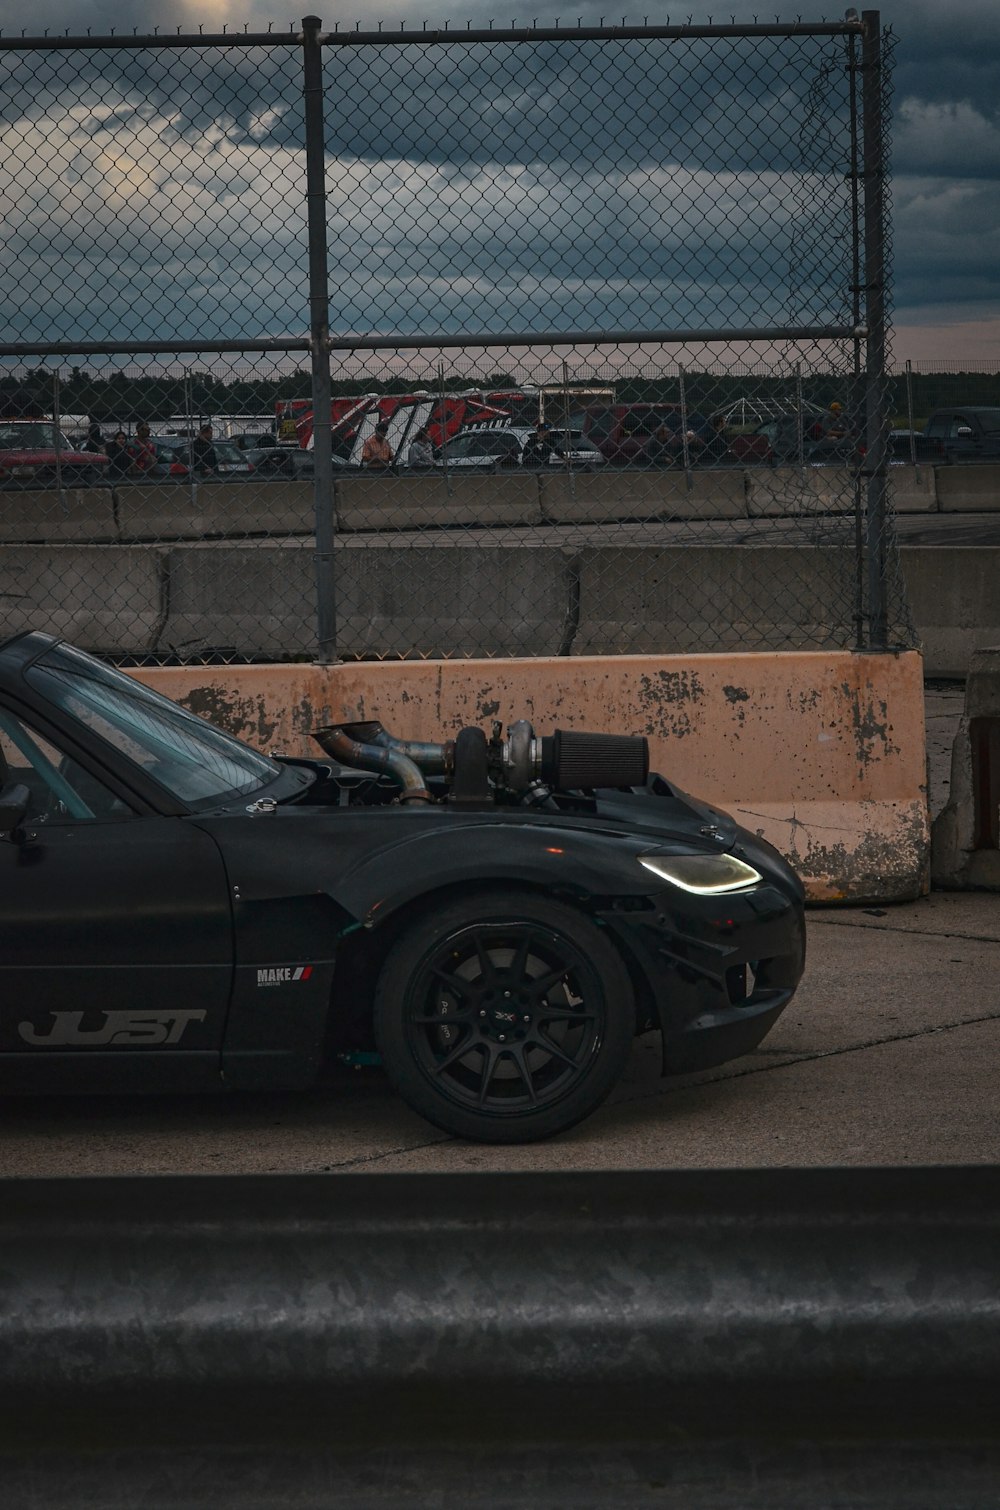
[{"x": 718, "y": 971}]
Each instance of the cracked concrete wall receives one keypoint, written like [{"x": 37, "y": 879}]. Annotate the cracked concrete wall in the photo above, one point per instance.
[
  {"x": 958, "y": 860},
  {"x": 821, "y": 753}
]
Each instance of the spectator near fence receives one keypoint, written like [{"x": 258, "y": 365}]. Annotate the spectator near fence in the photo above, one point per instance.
[
  {"x": 203, "y": 457},
  {"x": 376, "y": 453},
  {"x": 421, "y": 452},
  {"x": 119, "y": 455},
  {"x": 142, "y": 452},
  {"x": 538, "y": 448}
]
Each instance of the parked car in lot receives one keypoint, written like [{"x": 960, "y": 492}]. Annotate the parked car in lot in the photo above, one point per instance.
[
  {"x": 791, "y": 439},
  {"x": 483, "y": 450},
  {"x": 573, "y": 447},
  {"x": 34, "y": 454},
  {"x": 290, "y": 462},
  {"x": 625, "y": 434},
  {"x": 173, "y": 461},
  {"x": 282, "y": 461},
  {"x": 496, "y": 918},
  {"x": 970, "y": 433},
  {"x": 492, "y": 450},
  {"x": 255, "y": 442}
]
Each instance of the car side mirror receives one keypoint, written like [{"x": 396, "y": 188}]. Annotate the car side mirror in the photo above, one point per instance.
[
  {"x": 14, "y": 800},
  {"x": 963, "y": 431}
]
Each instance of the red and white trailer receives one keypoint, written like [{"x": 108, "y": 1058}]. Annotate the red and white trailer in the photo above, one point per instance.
[{"x": 354, "y": 419}]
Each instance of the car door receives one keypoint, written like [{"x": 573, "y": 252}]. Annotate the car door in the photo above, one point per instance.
[{"x": 116, "y": 945}]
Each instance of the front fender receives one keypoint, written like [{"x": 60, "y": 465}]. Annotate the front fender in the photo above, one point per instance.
[{"x": 558, "y": 861}]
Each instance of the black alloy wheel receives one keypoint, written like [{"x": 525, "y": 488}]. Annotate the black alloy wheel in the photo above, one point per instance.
[{"x": 504, "y": 1019}]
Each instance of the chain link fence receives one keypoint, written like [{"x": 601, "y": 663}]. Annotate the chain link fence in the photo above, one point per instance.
[{"x": 456, "y": 343}]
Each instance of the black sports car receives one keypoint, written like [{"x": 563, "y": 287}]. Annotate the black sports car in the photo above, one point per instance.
[{"x": 495, "y": 917}]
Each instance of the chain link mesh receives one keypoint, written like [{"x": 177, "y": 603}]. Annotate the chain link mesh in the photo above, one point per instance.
[{"x": 651, "y": 245}]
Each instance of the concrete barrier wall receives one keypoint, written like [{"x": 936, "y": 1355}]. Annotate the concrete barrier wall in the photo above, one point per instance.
[
  {"x": 822, "y": 754},
  {"x": 27, "y": 516},
  {"x": 380, "y": 503},
  {"x": 110, "y": 599},
  {"x": 954, "y": 595},
  {"x": 915, "y": 489},
  {"x": 173, "y": 511},
  {"x": 788, "y": 492},
  {"x": 482, "y": 600},
  {"x": 466, "y": 601},
  {"x": 972, "y": 489},
  {"x": 635, "y": 598},
  {"x": 605, "y": 498}
]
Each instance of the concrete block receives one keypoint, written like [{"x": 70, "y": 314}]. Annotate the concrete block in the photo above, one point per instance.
[
  {"x": 954, "y": 596},
  {"x": 258, "y": 599},
  {"x": 958, "y": 859},
  {"x": 686, "y": 598},
  {"x": 973, "y": 489},
  {"x": 109, "y": 599},
  {"x": 822, "y": 754},
  {"x": 175, "y": 511},
  {"x": 789, "y": 492},
  {"x": 913, "y": 489},
  {"x": 408, "y": 502},
  {"x": 391, "y": 600},
  {"x": 604, "y": 497},
  {"x": 29, "y": 516}
]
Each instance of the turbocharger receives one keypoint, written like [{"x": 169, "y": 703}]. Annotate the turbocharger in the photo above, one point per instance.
[{"x": 475, "y": 769}]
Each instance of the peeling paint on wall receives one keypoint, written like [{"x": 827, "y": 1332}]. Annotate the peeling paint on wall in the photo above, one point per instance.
[
  {"x": 249, "y": 718},
  {"x": 736, "y": 696},
  {"x": 870, "y": 726},
  {"x": 825, "y": 755},
  {"x": 876, "y": 853},
  {"x": 669, "y": 699}
]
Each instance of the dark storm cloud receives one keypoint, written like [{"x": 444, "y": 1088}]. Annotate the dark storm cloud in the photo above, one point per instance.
[{"x": 561, "y": 184}]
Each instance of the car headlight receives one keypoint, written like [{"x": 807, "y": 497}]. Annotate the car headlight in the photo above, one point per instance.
[{"x": 706, "y": 875}]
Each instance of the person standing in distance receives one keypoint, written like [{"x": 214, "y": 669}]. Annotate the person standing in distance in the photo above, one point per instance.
[{"x": 376, "y": 453}]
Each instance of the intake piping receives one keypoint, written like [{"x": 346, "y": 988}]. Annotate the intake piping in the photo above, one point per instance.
[
  {"x": 432, "y": 759},
  {"x": 353, "y": 745}
]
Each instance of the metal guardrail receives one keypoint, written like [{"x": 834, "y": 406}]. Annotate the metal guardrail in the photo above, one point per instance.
[{"x": 511, "y": 1340}]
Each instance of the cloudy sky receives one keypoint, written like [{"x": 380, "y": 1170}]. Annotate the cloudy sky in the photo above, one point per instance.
[{"x": 155, "y": 194}]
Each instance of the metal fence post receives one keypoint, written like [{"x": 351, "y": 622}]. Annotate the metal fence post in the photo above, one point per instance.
[
  {"x": 875, "y": 385},
  {"x": 319, "y": 336}
]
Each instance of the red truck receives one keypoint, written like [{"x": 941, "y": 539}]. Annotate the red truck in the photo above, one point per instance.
[{"x": 33, "y": 454}]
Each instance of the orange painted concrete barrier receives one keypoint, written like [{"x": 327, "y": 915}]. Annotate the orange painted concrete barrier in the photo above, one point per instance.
[{"x": 822, "y": 753}]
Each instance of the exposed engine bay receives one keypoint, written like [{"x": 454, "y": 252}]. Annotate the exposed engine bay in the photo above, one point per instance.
[{"x": 519, "y": 769}]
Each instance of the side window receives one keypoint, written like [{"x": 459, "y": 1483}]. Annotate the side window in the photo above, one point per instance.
[{"x": 61, "y": 790}]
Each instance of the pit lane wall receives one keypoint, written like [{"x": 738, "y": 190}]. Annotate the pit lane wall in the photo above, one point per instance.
[{"x": 821, "y": 753}]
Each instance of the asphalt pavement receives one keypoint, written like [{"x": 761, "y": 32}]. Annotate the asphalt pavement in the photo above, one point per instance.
[{"x": 888, "y": 1054}]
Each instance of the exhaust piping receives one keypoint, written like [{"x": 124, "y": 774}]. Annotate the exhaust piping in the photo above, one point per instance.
[{"x": 367, "y": 747}]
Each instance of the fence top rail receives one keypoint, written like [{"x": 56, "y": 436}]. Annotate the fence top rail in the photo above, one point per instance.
[
  {"x": 411, "y": 340},
  {"x": 406, "y": 36}
]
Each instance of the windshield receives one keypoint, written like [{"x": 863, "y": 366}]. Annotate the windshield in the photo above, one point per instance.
[
  {"x": 477, "y": 445},
  {"x": 196, "y": 763},
  {"x": 29, "y": 437}
]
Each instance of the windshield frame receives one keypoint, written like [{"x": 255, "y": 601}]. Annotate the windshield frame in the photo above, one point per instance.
[{"x": 197, "y": 766}]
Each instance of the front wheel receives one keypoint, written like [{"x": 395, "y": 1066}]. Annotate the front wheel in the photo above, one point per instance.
[{"x": 504, "y": 1019}]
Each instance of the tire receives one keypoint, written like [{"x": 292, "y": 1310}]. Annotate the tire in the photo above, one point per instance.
[{"x": 503, "y": 1019}]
